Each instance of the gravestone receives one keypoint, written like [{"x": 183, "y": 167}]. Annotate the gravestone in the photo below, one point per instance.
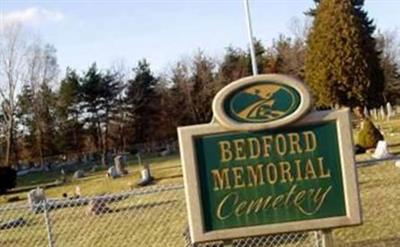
[
  {"x": 166, "y": 151},
  {"x": 97, "y": 206},
  {"x": 112, "y": 172},
  {"x": 397, "y": 163},
  {"x": 35, "y": 197},
  {"x": 79, "y": 174},
  {"x": 389, "y": 110},
  {"x": 381, "y": 151},
  {"x": 78, "y": 191},
  {"x": 382, "y": 114},
  {"x": 374, "y": 114},
  {"x": 146, "y": 175},
  {"x": 120, "y": 165},
  {"x": 366, "y": 112}
]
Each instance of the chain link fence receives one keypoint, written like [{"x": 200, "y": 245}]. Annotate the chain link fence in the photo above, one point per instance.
[{"x": 156, "y": 216}]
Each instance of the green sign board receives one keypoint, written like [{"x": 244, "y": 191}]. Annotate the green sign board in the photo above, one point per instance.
[
  {"x": 270, "y": 177},
  {"x": 265, "y": 167}
]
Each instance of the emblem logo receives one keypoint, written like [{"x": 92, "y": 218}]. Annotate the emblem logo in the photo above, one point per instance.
[
  {"x": 264, "y": 102},
  {"x": 260, "y": 102}
]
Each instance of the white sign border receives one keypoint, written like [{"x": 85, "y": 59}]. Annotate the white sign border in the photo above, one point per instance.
[{"x": 193, "y": 194}]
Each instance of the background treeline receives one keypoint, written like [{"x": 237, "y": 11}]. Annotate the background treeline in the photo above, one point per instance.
[{"x": 45, "y": 113}]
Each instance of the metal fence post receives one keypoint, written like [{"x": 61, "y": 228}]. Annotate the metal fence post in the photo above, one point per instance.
[
  {"x": 48, "y": 224},
  {"x": 327, "y": 238},
  {"x": 228, "y": 243}
]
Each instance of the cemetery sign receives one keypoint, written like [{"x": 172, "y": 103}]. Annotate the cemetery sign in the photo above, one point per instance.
[{"x": 263, "y": 168}]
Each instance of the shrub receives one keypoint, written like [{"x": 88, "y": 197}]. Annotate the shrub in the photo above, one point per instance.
[
  {"x": 8, "y": 179},
  {"x": 369, "y": 135}
]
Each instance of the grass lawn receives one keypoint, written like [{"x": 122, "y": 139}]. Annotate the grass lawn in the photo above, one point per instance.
[
  {"x": 164, "y": 222},
  {"x": 165, "y": 169}
]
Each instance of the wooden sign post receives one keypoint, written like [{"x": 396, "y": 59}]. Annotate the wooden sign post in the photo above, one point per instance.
[{"x": 266, "y": 166}]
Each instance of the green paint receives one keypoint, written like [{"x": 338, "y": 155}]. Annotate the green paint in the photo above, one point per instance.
[
  {"x": 209, "y": 156},
  {"x": 262, "y": 102}
]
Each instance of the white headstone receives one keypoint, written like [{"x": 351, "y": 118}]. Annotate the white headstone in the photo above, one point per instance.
[
  {"x": 146, "y": 175},
  {"x": 382, "y": 115},
  {"x": 97, "y": 206},
  {"x": 374, "y": 114},
  {"x": 381, "y": 151},
  {"x": 120, "y": 165},
  {"x": 78, "y": 190},
  {"x": 112, "y": 172},
  {"x": 397, "y": 163},
  {"x": 79, "y": 174},
  {"x": 366, "y": 113},
  {"x": 389, "y": 110},
  {"x": 35, "y": 197}
]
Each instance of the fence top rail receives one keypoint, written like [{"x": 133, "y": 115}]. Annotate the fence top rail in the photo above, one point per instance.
[
  {"x": 372, "y": 162},
  {"x": 57, "y": 202}
]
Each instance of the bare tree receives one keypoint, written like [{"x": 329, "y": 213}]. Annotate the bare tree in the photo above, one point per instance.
[
  {"x": 42, "y": 71},
  {"x": 300, "y": 28},
  {"x": 12, "y": 66},
  {"x": 389, "y": 44}
]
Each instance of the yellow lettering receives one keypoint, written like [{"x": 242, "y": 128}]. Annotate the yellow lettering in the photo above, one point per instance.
[
  {"x": 322, "y": 173},
  {"x": 280, "y": 143},
  {"x": 255, "y": 177},
  {"x": 239, "y": 149},
  {"x": 298, "y": 169},
  {"x": 285, "y": 172},
  {"x": 310, "y": 141},
  {"x": 221, "y": 179},
  {"x": 222, "y": 203},
  {"x": 310, "y": 172},
  {"x": 267, "y": 145},
  {"x": 272, "y": 173},
  {"x": 279, "y": 199},
  {"x": 225, "y": 151},
  {"x": 294, "y": 140},
  {"x": 240, "y": 209},
  {"x": 237, "y": 173},
  {"x": 254, "y": 147}
]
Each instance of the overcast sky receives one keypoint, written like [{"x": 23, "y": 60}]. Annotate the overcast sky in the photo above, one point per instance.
[{"x": 162, "y": 31}]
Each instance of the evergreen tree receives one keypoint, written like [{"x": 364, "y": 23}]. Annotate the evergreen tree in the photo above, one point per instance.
[
  {"x": 70, "y": 128},
  {"x": 236, "y": 63},
  {"x": 261, "y": 59},
  {"x": 140, "y": 101},
  {"x": 91, "y": 91},
  {"x": 204, "y": 87},
  {"x": 287, "y": 57},
  {"x": 342, "y": 65},
  {"x": 111, "y": 87},
  {"x": 26, "y": 122},
  {"x": 234, "y": 66},
  {"x": 46, "y": 121},
  {"x": 99, "y": 95}
]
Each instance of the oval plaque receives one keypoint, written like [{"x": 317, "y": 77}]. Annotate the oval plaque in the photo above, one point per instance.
[{"x": 261, "y": 102}]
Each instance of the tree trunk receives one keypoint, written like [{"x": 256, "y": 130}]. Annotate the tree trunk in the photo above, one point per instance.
[
  {"x": 105, "y": 143},
  {"x": 40, "y": 144},
  {"x": 10, "y": 141}
]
